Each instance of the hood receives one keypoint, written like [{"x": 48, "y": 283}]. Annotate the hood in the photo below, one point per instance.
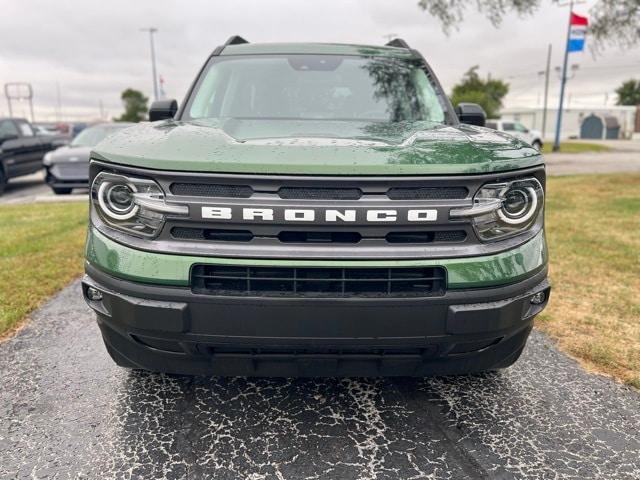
[
  {"x": 70, "y": 154},
  {"x": 316, "y": 147}
]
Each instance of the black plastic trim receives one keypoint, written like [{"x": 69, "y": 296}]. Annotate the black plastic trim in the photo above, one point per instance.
[
  {"x": 398, "y": 43},
  {"x": 235, "y": 40},
  {"x": 173, "y": 330}
]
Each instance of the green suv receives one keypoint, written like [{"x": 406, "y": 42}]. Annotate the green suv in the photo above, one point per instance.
[{"x": 315, "y": 210}]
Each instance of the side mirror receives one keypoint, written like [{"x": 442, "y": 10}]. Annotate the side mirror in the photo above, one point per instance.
[
  {"x": 471, "y": 113},
  {"x": 162, "y": 110}
]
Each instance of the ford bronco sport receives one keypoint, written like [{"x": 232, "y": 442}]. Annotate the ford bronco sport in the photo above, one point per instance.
[{"x": 313, "y": 210}]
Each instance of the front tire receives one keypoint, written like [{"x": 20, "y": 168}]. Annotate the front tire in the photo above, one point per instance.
[{"x": 61, "y": 191}]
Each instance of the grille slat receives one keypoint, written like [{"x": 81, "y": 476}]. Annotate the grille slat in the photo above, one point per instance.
[
  {"x": 318, "y": 282},
  {"x": 427, "y": 193},
  {"x": 321, "y": 236},
  {"x": 211, "y": 190},
  {"x": 309, "y": 193}
]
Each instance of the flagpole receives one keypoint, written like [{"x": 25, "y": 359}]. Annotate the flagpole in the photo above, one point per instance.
[{"x": 556, "y": 142}]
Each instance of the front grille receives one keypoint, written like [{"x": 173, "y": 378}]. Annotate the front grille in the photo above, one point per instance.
[
  {"x": 211, "y": 190},
  {"x": 303, "y": 193},
  {"x": 216, "y": 234},
  {"x": 451, "y": 236},
  {"x": 220, "y": 190},
  {"x": 427, "y": 193},
  {"x": 318, "y": 282},
  {"x": 74, "y": 170},
  {"x": 320, "y": 236}
]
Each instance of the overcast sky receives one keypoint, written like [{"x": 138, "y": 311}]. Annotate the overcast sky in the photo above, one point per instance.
[{"x": 93, "y": 49}]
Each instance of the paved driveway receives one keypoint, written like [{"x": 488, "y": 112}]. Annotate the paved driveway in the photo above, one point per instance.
[
  {"x": 593, "y": 163},
  {"x": 33, "y": 189},
  {"x": 67, "y": 411}
]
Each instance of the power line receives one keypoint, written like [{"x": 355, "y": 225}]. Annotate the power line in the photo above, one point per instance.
[{"x": 633, "y": 66}]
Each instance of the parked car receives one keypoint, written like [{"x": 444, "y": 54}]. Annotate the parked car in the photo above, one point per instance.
[
  {"x": 314, "y": 210},
  {"x": 518, "y": 130},
  {"x": 21, "y": 149},
  {"x": 68, "y": 166},
  {"x": 45, "y": 129}
]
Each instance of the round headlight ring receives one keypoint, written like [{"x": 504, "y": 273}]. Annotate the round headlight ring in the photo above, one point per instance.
[
  {"x": 526, "y": 212},
  {"x": 109, "y": 204}
]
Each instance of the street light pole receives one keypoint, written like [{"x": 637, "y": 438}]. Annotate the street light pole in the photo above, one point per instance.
[
  {"x": 151, "y": 31},
  {"x": 546, "y": 93}
]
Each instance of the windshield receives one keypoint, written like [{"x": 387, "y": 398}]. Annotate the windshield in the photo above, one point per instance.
[
  {"x": 315, "y": 87},
  {"x": 90, "y": 137}
]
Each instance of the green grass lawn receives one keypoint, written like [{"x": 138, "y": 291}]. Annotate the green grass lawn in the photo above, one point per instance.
[
  {"x": 593, "y": 229},
  {"x": 576, "y": 147},
  {"x": 41, "y": 250}
]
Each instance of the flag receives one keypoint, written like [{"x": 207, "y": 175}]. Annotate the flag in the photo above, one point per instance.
[{"x": 577, "y": 33}]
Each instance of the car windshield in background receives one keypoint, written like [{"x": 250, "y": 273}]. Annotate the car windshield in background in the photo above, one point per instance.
[
  {"x": 90, "y": 137},
  {"x": 315, "y": 87}
]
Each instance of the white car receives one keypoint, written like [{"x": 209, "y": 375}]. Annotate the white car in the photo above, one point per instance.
[{"x": 518, "y": 130}]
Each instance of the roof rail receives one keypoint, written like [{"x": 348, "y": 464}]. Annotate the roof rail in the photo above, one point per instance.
[
  {"x": 398, "y": 43},
  {"x": 235, "y": 40},
  {"x": 232, "y": 40}
]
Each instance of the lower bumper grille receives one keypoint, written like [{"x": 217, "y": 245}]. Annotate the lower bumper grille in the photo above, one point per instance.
[{"x": 318, "y": 282}]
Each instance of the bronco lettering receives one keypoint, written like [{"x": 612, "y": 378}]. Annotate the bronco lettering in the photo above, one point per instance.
[{"x": 327, "y": 215}]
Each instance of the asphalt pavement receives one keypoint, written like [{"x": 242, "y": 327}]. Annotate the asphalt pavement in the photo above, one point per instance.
[
  {"x": 68, "y": 412},
  {"x": 615, "y": 161},
  {"x": 33, "y": 189}
]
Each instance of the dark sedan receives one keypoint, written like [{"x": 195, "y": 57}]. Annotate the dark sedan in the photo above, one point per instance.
[{"x": 68, "y": 167}]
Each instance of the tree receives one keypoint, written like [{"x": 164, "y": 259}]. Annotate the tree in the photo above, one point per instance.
[
  {"x": 488, "y": 93},
  {"x": 135, "y": 106},
  {"x": 612, "y": 21},
  {"x": 616, "y": 22},
  {"x": 629, "y": 93}
]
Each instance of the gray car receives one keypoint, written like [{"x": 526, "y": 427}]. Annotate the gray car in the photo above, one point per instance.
[{"x": 68, "y": 166}]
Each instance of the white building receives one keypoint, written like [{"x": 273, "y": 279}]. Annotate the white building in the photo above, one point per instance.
[{"x": 571, "y": 119}]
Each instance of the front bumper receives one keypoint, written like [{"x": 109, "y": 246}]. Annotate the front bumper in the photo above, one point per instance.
[{"x": 171, "y": 329}]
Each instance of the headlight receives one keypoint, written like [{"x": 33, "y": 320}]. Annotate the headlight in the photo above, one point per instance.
[
  {"x": 502, "y": 210},
  {"x": 132, "y": 205}
]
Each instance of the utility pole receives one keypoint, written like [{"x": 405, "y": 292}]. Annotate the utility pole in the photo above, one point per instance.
[
  {"x": 546, "y": 92},
  {"x": 151, "y": 31}
]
